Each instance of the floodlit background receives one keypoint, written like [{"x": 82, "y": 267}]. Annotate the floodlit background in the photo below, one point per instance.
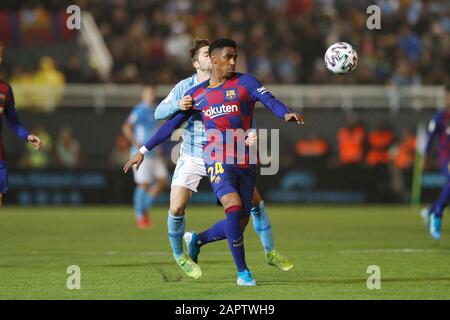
[
  {"x": 79, "y": 85},
  {"x": 75, "y": 88}
]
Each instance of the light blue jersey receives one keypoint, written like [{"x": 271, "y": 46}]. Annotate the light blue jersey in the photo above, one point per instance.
[
  {"x": 194, "y": 136},
  {"x": 144, "y": 125}
]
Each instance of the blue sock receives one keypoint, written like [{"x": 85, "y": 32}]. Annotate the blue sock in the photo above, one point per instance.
[
  {"x": 175, "y": 227},
  {"x": 235, "y": 236},
  {"x": 443, "y": 200},
  {"x": 148, "y": 201},
  {"x": 215, "y": 233},
  {"x": 138, "y": 202},
  {"x": 262, "y": 226}
]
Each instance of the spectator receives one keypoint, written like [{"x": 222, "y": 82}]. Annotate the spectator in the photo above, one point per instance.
[
  {"x": 351, "y": 142},
  {"x": 148, "y": 37},
  {"x": 51, "y": 80},
  {"x": 410, "y": 43},
  {"x": 22, "y": 80},
  {"x": 68, "y": 154},
  {"x": 313, "y": 149},
  {"x": 287, "y": 67},
  {"x": 379, "y": 141},
  {"x": 120, "y": 153},
  {"x": 262, "y": 66},
  {"x": 404, "y": 75},
  {"x": 404, "y": 156}
]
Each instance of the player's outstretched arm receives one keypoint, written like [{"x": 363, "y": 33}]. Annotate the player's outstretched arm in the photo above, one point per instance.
[
  {"x": 12, "y": 118},
  {"x": 162, "y": 134},
  {"x": 431, "y": 135},
  {"x": 16, "y": 126},
  {"x": 278, "y": 108},
  {"x": 429, "y": 141}
]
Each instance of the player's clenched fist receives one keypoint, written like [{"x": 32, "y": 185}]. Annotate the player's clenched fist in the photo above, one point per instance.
[
  {"x": 291, "y": 117},
  {"x": 185, "y": 103},
  {"x": 35, "y": 141},
  {"x": 136, "y": 160}
]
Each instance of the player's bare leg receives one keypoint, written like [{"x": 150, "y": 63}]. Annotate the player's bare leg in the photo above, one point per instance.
[
  {"x": 263, "y": 228},
  {"x": 1, "y": 199},
  {"x": 179, "y": 198}
]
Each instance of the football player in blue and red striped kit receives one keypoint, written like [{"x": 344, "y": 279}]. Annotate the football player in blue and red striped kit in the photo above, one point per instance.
[
  {"x": 190, "y": 170},
  {"x": 439, "y": 129},
  {"x": 225, "y": 102},
  {"x": 8, "y": 111}
]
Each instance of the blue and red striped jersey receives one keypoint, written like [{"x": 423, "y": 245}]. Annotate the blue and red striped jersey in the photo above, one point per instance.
[
  {"x": 8, "y": 111},
  {"x": 230, "y": 106},
  {"x": 227, "y": 107},
  {"x": 439, "y": 128}
]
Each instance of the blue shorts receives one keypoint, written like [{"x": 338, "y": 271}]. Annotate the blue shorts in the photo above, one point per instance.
[
  {"x": 228, "y": 178},
  {"x": 3, "y": 177}
]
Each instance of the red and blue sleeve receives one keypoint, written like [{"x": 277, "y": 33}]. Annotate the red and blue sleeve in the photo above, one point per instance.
[
  {"x": 433, "y": 127},
  {"x": 260, "y": 93},
  {"x": 165, "y": 130},
  {"x": 12, "y": 118}
]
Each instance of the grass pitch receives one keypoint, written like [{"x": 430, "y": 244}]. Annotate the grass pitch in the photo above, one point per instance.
[{"x": 331, "y": 247}]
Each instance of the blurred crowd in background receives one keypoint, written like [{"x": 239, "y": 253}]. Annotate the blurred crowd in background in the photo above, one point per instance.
[
  {"x": 280, "y": 41},
  {"x": 389, "y": 154},
  {"x": 61, "y": 152}
]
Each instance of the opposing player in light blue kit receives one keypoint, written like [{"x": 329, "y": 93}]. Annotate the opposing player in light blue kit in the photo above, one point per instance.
[
  {"x": 439, "y": 129},
  {"x": 190, "y": 169},
  {"x": 226, "y": 103},
  {"x": 152, "y": 177}
]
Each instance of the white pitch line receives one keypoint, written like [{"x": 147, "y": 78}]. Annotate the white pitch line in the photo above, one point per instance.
[
  {"x": 213, "y": 253},
  {"x": 107, "y": 253},
  {"x": 400, "y": 250},
  {"x": 156, "y": 253}
]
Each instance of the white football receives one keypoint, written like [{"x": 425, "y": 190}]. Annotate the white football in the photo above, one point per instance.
[{"x": 341, "y": 58}]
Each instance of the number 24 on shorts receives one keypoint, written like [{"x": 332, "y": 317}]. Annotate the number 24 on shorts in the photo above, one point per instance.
[{"x": 216, "y": 170}]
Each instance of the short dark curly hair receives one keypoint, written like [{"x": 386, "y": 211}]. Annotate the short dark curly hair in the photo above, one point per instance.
[
  {"x": 221, "y": 43},
  {"x": 196, "y": 46}
]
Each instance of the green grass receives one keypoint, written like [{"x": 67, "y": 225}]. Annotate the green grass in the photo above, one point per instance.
[{"x": 331, "y": 248}]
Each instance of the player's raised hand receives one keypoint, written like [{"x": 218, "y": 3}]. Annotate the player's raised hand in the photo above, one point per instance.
[
  {"x": 185, "y": 103},
  {"x": 291, "y": 117},
  {"x": 136, "y": 160},
  {"x": 34, "y": 140}
]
